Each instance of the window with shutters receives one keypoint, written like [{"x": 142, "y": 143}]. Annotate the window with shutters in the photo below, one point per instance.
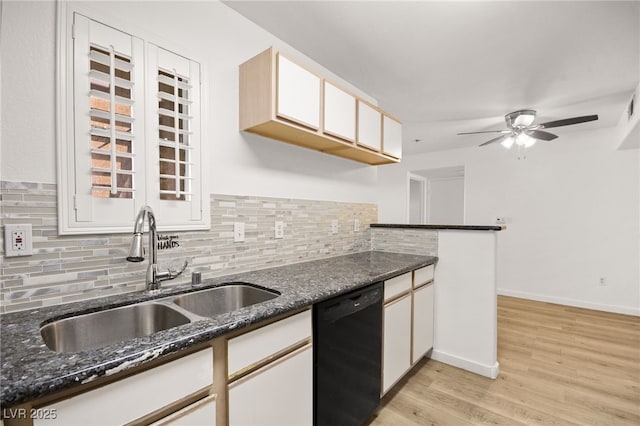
[
  {"x": 173, "y": 135},
  {"x": 130, "y": 131},
  {"x": 111, "y": 102}
]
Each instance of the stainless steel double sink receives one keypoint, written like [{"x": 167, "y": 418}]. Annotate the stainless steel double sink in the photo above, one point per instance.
[{"x": 98, "y": 329}]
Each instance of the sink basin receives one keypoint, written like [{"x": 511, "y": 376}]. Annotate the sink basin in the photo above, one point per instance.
[
  {"x": 227, "y": 298},
  {"x": 98, "y": 329}
]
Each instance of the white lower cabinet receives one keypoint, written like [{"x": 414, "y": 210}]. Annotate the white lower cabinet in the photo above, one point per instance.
[
  {"x": 278, "y": 394},
  {"x": 396, "y": 357},
  {"x": 201, "y": 413},
  {"x": 422, "y": 321},
  {"x": 271, "y": 374},
  {"x": 408, "y": 323},
  {"x": 136, "y": 396}
]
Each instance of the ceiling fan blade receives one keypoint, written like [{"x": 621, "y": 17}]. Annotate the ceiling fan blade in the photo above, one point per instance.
[
  {"x": 498, "y": 139},
  {"x": 568, "y": 121},
  {"x": 485, "y": 131},
  {"x": 543, "y": 136}
]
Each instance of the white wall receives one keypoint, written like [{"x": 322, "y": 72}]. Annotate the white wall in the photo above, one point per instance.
[
  {"x": 417, "y": 200},
  {"x": 238, "y": 163},
  {"x": 573, "y": 208},
  {"x": 446, "y": 200}
]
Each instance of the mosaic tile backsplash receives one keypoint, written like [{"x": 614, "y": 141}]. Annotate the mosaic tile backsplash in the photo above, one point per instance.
[
  {"x": 412, "y": 241},
  {"x": 70, "y": 268}
]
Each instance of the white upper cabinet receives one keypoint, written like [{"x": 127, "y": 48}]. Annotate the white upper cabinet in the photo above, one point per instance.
[
  {"x": 298, "y": 97},
  {"x": 282, "y": 100},
  {"x": 369, "y": 126},
  {"x": 392, "y": 137},
  {"x": 339, "y": 113}
]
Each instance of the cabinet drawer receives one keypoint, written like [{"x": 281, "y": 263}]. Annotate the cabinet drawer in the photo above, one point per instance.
[
  {"x": 202, "y": 413},
  {"x": 259, "y": 344},
  {"x": 397, "y": 285},
  {"x": 422, "y": 275},
  {"x": 128, "y": 399}
]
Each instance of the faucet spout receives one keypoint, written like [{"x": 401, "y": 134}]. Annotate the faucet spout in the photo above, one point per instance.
[{"x": 136, "y": 251}]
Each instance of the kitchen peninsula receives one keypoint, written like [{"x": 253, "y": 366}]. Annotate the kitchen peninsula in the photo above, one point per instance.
[{"x": 466, "y": 333}]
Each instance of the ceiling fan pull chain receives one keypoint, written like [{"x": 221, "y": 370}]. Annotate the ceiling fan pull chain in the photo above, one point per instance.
[{"x": 521, "y": 152}]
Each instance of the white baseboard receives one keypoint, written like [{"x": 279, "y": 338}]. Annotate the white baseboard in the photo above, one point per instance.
[
  {"x": 490, "y": 371},
  {"x": 571, "y": 302}
]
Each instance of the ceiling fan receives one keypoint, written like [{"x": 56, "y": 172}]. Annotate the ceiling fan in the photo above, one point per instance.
[{"x": 524, "y": 133}]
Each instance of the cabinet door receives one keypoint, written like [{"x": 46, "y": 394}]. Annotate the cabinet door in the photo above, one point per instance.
[
  {"x": 339, "y": 113},
  {"x": 298, "y": 97},
  {"x": 369, "y": 126},
  {"x": 278, "y": 394},
  {"x": 201, "y": 413},
  {"x": 392, "y": 137},
  {"x": 422, "y": 321},
  {"x": 397, "y": 341},
  {"x": 136, "y": 396}
]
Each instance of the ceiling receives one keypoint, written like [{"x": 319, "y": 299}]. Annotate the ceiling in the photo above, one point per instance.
[{"x": 451, "y": 66}]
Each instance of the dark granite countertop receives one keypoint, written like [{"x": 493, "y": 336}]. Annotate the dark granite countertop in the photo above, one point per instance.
[
  {"x": 441, "y": 227},
  {"x": 30, "y": 370}
]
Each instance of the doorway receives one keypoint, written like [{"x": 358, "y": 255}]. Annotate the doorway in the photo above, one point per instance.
[
  {"x": 417, "y": 199},
  {"x": 436, "y": 196}
]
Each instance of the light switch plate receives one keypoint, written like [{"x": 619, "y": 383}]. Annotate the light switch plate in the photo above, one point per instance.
[
  {"x": 238, "y": 232},
  {"x": 18, "y": 240},
  {"x": 279, "y": 232},
  {"x": 334, "y": 226}
]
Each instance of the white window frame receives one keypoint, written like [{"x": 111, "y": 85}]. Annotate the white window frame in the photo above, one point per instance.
[{"x": 169, "y": 218}]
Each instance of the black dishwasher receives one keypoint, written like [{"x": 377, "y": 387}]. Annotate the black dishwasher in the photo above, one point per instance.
[{"x": 347, "y": 357}]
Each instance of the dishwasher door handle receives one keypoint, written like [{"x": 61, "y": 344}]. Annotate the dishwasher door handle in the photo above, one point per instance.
[{"x": 349, "y": 305}]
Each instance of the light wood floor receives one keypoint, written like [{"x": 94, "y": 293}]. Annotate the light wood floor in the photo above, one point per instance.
[{"x": 558, "y": 366}]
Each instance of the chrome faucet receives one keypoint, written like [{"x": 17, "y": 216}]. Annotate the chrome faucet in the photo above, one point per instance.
[{"x": 136, "y": 251}]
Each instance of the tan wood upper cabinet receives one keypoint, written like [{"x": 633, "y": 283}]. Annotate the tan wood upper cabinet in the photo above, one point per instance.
[
  {"x": 285, "y": 101},
  {"x": 339, "y": 112},
  {"x": 369, "y": 126},
  {"x": 298, "y": 97},
  {"x": 392, "y": 137}
]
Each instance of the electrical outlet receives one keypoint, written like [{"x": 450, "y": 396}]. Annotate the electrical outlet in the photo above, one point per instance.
[
  {"x": 334, "y": 226},
  {"x": 356, "y": 225},
  {"x": 238, "y": 232},
  {"x": 501, "y": 220},
  {"x": 603, "y": 281},
  {"x": 279, "y": 233},
  {"x": 18, "y": 240}
]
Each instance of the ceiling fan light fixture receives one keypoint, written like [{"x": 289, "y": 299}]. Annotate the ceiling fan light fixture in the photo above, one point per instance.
[
  {"x": 508, "y": 142},
  {"x": 524, "y": 120},
  {"x": 525, "y": 140},
  {"x": 520, "y": 119},
  {"x": 522, "y": 132}
]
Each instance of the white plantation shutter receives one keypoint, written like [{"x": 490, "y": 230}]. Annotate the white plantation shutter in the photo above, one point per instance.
[
  {"x": 174, "y": 172},
  {"x": 108, "y": 119},
  {"x": 129, "y": 131}
]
